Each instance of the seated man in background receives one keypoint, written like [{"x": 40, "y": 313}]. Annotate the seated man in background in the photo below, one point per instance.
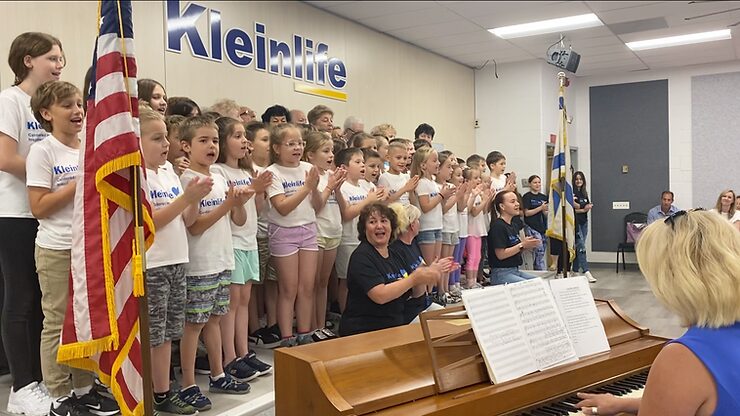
[{"x": 665, "y": 209}]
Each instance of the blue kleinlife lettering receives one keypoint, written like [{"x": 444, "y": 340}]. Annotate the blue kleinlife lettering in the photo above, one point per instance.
[
  {"x": 298, "y": 59},
  {"x": 58, "y": 170}
]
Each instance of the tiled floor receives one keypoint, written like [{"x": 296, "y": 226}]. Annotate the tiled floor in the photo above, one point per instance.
[{"x": 628, "y": 288}]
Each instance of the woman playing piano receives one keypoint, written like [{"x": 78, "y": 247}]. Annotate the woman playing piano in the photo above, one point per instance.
[
  {"x": 377, "y": 283},
  {"x": 692, "y": 263}
]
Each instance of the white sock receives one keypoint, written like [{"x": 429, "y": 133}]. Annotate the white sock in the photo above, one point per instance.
[{"x": 218, "y": 377}]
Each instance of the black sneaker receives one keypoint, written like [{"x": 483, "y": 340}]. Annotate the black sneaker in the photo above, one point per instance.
[
  {"x": 202, "y": 366},
  {"x": 68, "y": 406},
  {"x": 101, "y": 388},
  {"x": 173, "y": 404},
  {"x": 227, "y": 385},
  {"x": 240, "y": 370},
  {"x": 269, "y": 337},
  {"x": 195, "y": 398},
  {"x": 329, "y": 333},
  {"x": 258, "y": 365},
  {"x": 98, "y": 404},
  {"x": 318, "y": 336}
]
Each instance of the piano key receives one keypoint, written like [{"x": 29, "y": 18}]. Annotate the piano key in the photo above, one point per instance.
[
  {"x": 568, "y": 402},
  {"x": 568, "y": 409},
  {"x": 555, "y": 411},
  {"x": 540, "y": 412},
  {"x": 628, "y": 385}
]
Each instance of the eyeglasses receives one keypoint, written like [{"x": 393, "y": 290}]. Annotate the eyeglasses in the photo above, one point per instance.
[
  {"x": 293, "y": 144},
  {"x": 672, "y": 218}
]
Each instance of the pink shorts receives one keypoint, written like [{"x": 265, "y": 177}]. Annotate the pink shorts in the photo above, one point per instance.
[{"x": 286, "y": 241}]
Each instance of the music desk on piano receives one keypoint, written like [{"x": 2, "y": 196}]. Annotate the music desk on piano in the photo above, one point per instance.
[{"x": 390, "y": 372}]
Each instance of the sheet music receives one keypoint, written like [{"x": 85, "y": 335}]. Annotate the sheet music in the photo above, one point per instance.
[
  {"x": 497, "y": 330},
  {"x": 541, "y": 322},
  {"x": 578, "y": 309}
]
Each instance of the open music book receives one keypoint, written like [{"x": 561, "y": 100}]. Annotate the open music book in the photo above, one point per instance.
[{"x": 532, "y": 325}]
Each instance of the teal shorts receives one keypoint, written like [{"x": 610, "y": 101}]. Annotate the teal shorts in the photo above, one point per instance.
[{"x": 247, "y": 267}]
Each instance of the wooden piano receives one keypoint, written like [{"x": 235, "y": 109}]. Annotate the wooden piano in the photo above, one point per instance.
[{"x": 390, "y": 372}]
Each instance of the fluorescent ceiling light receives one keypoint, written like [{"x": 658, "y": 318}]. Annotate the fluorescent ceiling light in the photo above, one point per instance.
[
  {"x": 547, "y": 26},
  {"x": 680, "y": 40}
]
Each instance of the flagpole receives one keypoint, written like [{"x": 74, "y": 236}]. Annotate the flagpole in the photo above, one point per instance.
[
  {"x": 564, "y": 253},
  {"x": 146, "y": 353}
]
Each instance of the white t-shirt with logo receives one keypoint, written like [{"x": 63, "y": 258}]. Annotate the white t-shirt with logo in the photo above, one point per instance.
[
  {"x": 244, "y": 236},
  {"x": 170, "y": 241},
  {"x": 51, "y": 164},
  {"x": 393, "y": 183},
  {"x": 431, "y": 220},
  {"x": 329, "y": 219},
  {"x": 353, "y": 195},
  {"x": 450, "y": 222},
  {"x": 286, "y": 181},
  {"x": 213, "y": 251},
  {"x": 17, "y": 121},
  {"x": 477, "y": 226}
]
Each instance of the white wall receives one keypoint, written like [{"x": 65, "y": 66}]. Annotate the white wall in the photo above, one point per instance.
[
  {"x": 509, "y": 114},
  {"x": 679, "y": 129},
  {"x": 388, "y": 80},
  {"x": 518, "y": 111}
]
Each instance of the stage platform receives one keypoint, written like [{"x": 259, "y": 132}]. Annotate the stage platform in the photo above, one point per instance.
[{"x": 260, "y": 398}]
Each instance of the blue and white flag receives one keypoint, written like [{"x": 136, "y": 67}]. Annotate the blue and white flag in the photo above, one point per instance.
[{"x": 561, "y": 186}]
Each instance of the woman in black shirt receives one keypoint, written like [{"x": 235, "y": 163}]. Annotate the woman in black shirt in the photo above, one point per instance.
[
  {"x": 582, "y": 206},
  {"x": 535, "y": 218},
  {"x": 504, "y": 245},
  {"x": 378, "y": 284}
]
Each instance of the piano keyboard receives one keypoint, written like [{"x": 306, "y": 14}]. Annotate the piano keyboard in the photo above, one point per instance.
[{"x": 631, "y": 387}]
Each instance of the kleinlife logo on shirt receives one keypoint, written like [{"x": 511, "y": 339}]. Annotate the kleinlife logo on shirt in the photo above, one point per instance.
[{"x": 290, "y": 187}]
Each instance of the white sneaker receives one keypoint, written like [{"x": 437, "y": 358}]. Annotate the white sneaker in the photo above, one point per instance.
[
  {"x": 590, "y": 278},
  {"x": 559, "y": 276},
  {"x": 31, "y": 400}
]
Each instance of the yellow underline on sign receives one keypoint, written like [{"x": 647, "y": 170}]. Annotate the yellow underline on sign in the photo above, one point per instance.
[{"x": 321, "y": 92}]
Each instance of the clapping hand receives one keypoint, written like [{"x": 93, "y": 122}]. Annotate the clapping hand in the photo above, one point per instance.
[{"x": 261, "y": 182}]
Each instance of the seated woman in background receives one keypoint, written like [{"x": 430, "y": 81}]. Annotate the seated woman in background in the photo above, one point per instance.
[
  {"x": 504, "y": 245},
  {"x": 692, "y": 263},
  {"x": 378, "y": 285},
  {"x": 407, "y": 252},
  {"x": 726, "y": 207}
]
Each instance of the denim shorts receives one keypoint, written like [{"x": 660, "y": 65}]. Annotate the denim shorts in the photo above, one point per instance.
[
  {"x": 450, "y": 239},
  {"x": 429, "y": 236},
  {"x": 286, "y": 241}
]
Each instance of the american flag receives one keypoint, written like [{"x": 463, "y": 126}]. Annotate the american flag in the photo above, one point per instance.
[
  {"x": 561, "y": 186},
  {"x": 101, "y": 326}
]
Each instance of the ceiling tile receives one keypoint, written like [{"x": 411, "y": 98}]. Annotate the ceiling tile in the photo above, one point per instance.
[
  {"x": 602, "y": 6},
  {"x": 359, "y": 10},
  {"x": 454, "y": 27},
  {"x": 478, "y": 36},
  {"x": 415, "y": 18},
  {"x": 528, "y": 12}
]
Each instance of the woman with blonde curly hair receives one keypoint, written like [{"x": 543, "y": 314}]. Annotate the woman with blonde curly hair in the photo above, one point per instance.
[{"x": 692, "y": 262}]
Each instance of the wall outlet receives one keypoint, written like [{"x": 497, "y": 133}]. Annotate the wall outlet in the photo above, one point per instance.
[{"x": 621, "y": 205}]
